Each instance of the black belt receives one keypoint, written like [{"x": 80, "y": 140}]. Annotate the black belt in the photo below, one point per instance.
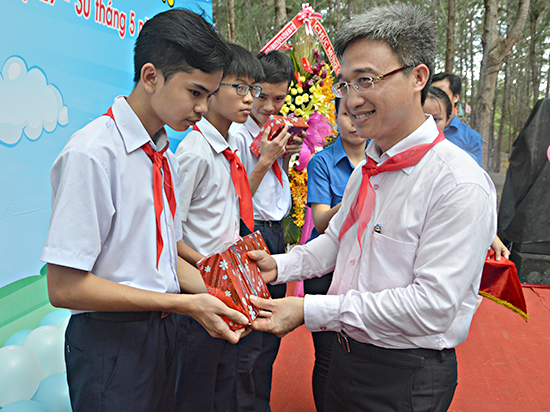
[
  {"x": 126, "y": 316},
  {"x": 268, "y": 223},
  {"x": 405, "y": 358}
]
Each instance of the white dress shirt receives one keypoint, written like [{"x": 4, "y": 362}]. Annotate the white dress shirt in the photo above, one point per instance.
[
  {"x": 272, "y": 201},
  {"x": 209, "y": 204},
  {"x": 103, "y": 214},
  {"x": 415, "y": 283}
]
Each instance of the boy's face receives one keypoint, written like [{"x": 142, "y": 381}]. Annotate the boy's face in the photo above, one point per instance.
[
  {"x": 270, "y": 101},
  {"x": 229, "y": 105},
  {"x": 181, "y": 101}
]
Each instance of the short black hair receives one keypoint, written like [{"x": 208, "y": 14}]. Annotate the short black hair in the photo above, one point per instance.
[
  {"x": 455, "y": 84},
  {"x": 278, "y": 67},
  {"x": 437, "y": 94},
  {"x": 179, "y": 40},
  {"x": 405, "y": 28},
  {"x": 337, "y": 105},
  {"x": 243, "y": 63}
]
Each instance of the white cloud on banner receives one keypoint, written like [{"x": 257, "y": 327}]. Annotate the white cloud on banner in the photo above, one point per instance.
[{"x": 28, "y": 104}]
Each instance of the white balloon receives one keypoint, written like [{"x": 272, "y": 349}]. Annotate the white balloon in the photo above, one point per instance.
[
  {"x": 65, "y": 323},
  {"x": 48, "y": 344},
  {"x": 20, "y": 374}
]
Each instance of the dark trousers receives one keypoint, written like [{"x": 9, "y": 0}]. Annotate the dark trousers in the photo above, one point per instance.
[
  {"x": 256, "y": 352},
  {"x": 322, "y": 342},
  {"x": 206, "y": 372},
  {"x": 373, "y": 379},
  {"x": 121, "y": 366}
]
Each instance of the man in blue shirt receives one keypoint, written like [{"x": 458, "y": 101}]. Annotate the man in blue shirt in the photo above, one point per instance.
[{"x": 458, "y": 132}]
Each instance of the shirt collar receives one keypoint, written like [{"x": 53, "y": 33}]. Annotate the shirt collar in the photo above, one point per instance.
[
  {"x": 214, "y": 137},
  {"x": 454, "y": 123},
  {"x": 426, "y": 133},
  {"x": 338, "y": 151},
  {"x": 252, "y": 126},
  {"x": 132, "y": 130}
]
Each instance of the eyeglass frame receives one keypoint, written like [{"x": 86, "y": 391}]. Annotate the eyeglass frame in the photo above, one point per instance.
[
  {"x": 258, "y": 89},
  {"x": 337, "y": 88}
]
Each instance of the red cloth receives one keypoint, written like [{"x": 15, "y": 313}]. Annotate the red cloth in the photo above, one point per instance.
[
  {"x": 276, "y": 124},
  {"x": 232, "y": 277},
  {"x": 242, "y": 187},
  {"x": 500, "y": 283},
  {"x": 363, "y": 205},
  {"x": 160, "y": 165}
]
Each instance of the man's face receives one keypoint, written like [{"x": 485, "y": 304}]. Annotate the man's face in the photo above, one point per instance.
[
  {"x": 390, "y": 110},
  {"x": 446, "y": 87},
  {"x": 230, "y": 105},
  {"x": 180, "y": 101},
  {"x": 270, "y": 101}
]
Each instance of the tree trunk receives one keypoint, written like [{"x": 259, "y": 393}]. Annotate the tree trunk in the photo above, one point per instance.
[
  {"x": 537, "y": 6},
  {"x": 450, "y": 50},
  {"x": 230, "y": 4},
  {"x": 495, "y": 53},
  {"x": 338, "y": 15},
  {"x": 280, "y": 14}
]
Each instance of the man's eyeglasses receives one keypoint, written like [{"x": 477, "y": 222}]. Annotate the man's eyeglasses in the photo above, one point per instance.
[
  {"x": 243, "y": 88},
  {"x": 363, "y": 84}
]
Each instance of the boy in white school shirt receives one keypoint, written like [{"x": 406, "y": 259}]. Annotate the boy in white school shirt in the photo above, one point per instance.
[
  {"x": 211, "y": 211},
  {"x": 272, "y": 202},
  {"x": 111, "y": 246}
]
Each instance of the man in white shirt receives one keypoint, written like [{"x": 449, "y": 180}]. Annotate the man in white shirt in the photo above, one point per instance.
[{"x": 407, "y": 247}]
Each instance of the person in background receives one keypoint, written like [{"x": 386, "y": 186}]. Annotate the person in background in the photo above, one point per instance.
[
  {"x": 272, "y": 201},
  {"x": 439, "y": 106},
  {"x": 111, "y": 246},
  {"x": 215, "y": 196},
  {"x": 458, "y": 132},
  {"x": 409, "y": 242},
  {"x": 328, "y": 173}
]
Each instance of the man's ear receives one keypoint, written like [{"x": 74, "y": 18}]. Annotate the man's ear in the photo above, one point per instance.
[
  {"x": 420, "y": 75},
  {"x": 150, "y": 77},
  {"x": 455, "y": 99}
]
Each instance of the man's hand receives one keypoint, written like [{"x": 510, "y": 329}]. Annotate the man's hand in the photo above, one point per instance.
[
  {"x": 266, "y": 264},
  {"x": 295, "y": 145},
  {"x": 500, "y": 249},
  {"x": 271, "y": 150},
  {"x": 208, "y": 311},
  {"x": 278, "y": 316}
]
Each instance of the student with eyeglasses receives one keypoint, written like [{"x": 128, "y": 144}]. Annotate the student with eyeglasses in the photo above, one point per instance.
[
  {"x": 214, "y": 197},
  {"x": 409, "y": 242},
  {"x": 272, "y": 201}
]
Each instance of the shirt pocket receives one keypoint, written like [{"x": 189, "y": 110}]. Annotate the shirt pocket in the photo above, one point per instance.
[{"x": 392, "y": 262}]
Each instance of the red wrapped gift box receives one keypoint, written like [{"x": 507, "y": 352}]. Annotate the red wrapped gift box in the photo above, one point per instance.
[
  {"x": 277, "y": 123},
  {"x": 232, "y": 277}
]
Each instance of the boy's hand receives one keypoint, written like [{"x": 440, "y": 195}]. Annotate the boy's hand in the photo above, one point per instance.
[
  {"x": 208, "y": 311},
  {"x": 271, "y": 150},
  {"x": 266, "y": 264},
  {"x": 279, "y": 316},
  {"x": 295, "y": 145}
]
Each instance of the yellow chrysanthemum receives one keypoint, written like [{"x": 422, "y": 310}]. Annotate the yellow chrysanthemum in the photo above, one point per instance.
[
  {"x": 292, "y": 108},
  {"x": 285, "y": 109},
  {"x": 305, "y": 97},
  {"x": 298, "y": 112},
  {"x": 293, "y": 91},
  {"x": 299, "y": 101},
  {"x": 288, "y": 98},
  {"x": 300, "y": 90}
]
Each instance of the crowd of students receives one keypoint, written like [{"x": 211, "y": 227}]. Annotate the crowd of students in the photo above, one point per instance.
[{"x": 130, "y": 220}]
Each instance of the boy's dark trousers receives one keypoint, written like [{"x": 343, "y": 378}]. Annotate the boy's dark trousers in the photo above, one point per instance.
[
  {"x": 121, "y": 361},
  {"x": 258, "y": 350},
  {"x": 206, "y": 371}
]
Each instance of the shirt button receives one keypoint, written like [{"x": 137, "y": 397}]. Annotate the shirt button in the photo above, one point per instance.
[
  {"x": 352, "y": 262},
  {"x": 376, "y": 187},
  {"x": 323, "y": 328}
]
